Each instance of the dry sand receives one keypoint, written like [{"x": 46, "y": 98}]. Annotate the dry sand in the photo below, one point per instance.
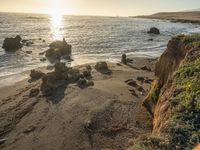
[{"x": 105, "y": 116}]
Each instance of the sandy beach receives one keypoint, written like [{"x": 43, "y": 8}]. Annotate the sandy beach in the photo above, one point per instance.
[{"x": 111, "y": 107}]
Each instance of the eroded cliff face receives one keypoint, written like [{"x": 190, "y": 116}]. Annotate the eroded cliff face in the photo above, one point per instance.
[{"x": 174, "y": 99}]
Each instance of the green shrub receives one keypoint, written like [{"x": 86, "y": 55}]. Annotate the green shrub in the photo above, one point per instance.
[{"x": 185, "y": 121}]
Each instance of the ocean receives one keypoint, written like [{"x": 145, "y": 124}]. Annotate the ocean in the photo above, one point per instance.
[{"x": 92, "y": 38}]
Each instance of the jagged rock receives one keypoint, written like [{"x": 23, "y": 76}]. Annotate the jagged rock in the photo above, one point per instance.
[
  {"x": 141, "y": 89},
  {"x": 133, "y": 92},
  {"x": 36, "y": 74},
  {"x": 146, "y": 68},
  {"x": 82, "y": 83},
  {"x": 150, "y": 39},
  {"x": 58, "y": 49},
  {"x": 154, "y": 30},
  {"x": 12, "y": 44},
  {"x": 132, "y": 83},
  {"x": 73, "y": 75},
  {"x": 60, "y": 67},
  {"x": 88, "y": 67},
  {"x": 51, "y": 82},
  {"x": 34, "y": 92},
  {"x": 103, "y": 68},
  {"x": 124, "y": 61},
  {"x": 87, "y": 72}
]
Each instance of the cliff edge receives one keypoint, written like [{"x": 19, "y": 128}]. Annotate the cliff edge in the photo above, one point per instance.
[{"x": 174, "y": 98}]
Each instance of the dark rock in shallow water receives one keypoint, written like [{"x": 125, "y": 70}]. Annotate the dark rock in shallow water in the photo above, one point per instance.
[
  {"x": 154, "y": 30},
  {"x": 150, "y": 39},
  {"x": 36, "y": 74},
  {"x": 124, "y": 61},
  {"x": 59, "y": 49},
  {"x": 102, "y": 67},
  {"x": 12, "y": 44}
]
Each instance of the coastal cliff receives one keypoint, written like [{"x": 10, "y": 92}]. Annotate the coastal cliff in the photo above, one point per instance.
[{"x": 174, "y": 98}]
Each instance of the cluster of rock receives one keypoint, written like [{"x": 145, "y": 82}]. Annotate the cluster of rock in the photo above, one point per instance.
[
  {"x": 58, "y": 50},
  {"x": 62, "y": 76},
  {"x": 12, "y": 44}
]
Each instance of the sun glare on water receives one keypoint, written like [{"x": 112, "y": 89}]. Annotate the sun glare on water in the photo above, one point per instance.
[
  {"x": 56, "y": 25},
  {"x": 56, "y": 18}
]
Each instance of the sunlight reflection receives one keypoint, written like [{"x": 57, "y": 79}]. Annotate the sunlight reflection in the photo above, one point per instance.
[{"x": 57, "y": 25}]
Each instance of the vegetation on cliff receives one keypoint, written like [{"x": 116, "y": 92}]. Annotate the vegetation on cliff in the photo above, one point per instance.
[
  {"x": 174, "y": 98},
  {"x": 185, "y": 121}
]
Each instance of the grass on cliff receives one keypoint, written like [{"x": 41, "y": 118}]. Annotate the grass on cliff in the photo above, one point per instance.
[
  {"x": 185, "y": 121},
  {"x": 194, "y": 39}
]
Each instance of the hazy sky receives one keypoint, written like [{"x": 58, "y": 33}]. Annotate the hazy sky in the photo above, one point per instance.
[{"x": 98, "y": 7}]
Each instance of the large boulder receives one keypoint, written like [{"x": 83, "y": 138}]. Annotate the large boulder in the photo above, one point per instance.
[
  {"x": 102, "y": 67},
  {"x": 12, "y": 44},
  {"x": 51, "y": 82},
  {"x": 154, "y": 30},
  {"x": 36, "y": 74},
  {"x": 58, "y": 50}
]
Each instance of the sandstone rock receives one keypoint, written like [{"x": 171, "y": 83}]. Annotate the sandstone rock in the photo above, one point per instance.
[
  {"x": 103, "y": 68},
  {"x": 154, "y": 30},
  {"x": 12, "y": 44},
  {"x": 36, "y": 74}
]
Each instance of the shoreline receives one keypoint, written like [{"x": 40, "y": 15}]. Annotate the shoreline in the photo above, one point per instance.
[
  {"x": 10, "y": 80},
  {"x": 182, "y": 17}
]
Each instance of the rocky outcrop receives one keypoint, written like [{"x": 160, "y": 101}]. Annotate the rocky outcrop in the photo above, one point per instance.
[
  {"x": 102, "y": 67},
  {"x": 172, "y": 100},
  {"x": 58, "y": 50},
  {"x": 36, "y": 74},
  {"x": 62, "y": 76},
  {"x": 12, "y": 44},
  {"x": 124, "y": 60},
  {"x": 154, "y": 30}
]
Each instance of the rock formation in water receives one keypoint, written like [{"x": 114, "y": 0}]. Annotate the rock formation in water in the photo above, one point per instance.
[
  {"x": 154, "y": 30},
  {"x": 58, "y": 50},
  {"x": 12, "y": 44}
]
